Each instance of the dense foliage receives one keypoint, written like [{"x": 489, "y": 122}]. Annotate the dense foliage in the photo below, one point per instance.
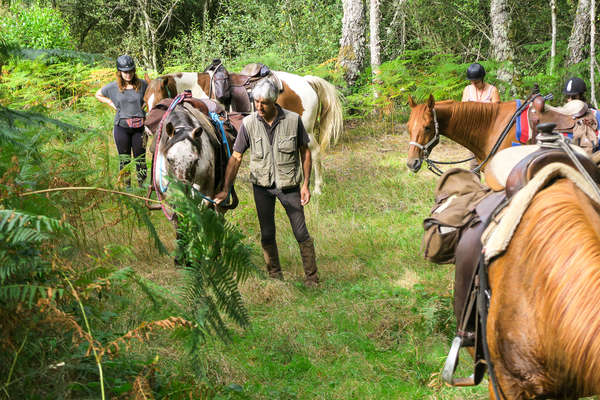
[{"x": 67, "y": 276}]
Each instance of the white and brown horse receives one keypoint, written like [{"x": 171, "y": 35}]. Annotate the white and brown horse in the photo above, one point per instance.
[{"x": 313, "y": 98}]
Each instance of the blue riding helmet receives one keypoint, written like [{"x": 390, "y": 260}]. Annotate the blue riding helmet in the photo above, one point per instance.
[{"x": 475, "y": 72}]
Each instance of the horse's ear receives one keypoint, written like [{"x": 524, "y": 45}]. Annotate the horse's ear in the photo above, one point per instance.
[
  {"x": 146, "y": 77},
  {"x": 431, "y": 102},
  {"x": 170, "y": 129},
  {"x": 196, "y": 133},
  {"x": 411, "y": 102}
]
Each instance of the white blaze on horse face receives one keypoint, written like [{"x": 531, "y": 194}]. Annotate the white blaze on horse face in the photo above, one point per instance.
[
  {"x": 181, "y": 160},
  {"x": 189, "y": 81},
  {"x": 151, "y": 102}
]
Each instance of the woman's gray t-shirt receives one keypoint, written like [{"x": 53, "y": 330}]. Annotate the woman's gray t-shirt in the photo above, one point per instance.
[{"x": 129, "y": 102}]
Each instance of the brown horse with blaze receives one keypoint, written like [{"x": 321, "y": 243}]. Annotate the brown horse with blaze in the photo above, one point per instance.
[{"x": 476, "y": 126}]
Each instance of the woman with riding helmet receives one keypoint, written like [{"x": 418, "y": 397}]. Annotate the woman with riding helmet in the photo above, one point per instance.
[
  {"x": 479, "y": 90},
  {"x": 126, "y": 96},
  {"x": 575, "y": 89}
]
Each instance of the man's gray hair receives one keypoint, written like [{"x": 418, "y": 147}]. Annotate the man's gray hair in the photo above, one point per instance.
[{"x": 265, "y": 90}]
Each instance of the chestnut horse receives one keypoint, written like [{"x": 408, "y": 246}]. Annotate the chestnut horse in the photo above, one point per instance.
[
  {"x": 543, "y": 327},
  {"x": 313, "y": 98},
  {"x": 476, "y": 126}
]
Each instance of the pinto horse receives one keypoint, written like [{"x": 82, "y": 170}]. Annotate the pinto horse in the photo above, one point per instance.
[
  {"x": 476, "y": 126},
  {"x": 313, "y": 98}
]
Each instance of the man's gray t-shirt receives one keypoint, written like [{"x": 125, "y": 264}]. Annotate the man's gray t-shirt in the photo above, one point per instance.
[{"x": 129, "y": 102}]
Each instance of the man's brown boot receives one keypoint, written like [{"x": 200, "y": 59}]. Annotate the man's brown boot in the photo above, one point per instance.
[
  {"x": 272, "y": 260},
  {"x": 309, "y": 262}
]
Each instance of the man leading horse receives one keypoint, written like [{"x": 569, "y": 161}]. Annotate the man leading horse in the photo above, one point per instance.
[{"x": 280, "y": 166}]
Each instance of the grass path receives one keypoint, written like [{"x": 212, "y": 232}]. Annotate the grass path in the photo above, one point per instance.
[{"x": 379, "y": 326}]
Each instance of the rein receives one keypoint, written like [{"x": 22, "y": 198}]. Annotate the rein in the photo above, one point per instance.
[{"x": 174, "y": 103}]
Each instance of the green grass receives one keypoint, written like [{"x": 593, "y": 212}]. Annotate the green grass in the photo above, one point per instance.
[{"x": 379, "y": 326}]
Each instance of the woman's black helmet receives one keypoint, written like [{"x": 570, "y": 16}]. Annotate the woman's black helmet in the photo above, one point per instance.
[
  {"x": 125, "y": 63},
  {"x": 574, "y": 86},
  {"x": 475, "y": 72}
]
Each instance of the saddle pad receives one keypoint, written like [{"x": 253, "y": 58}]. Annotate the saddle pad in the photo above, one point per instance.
[
  {"x": 499, "y": 167},
  {"x": 497, "y": 236}
]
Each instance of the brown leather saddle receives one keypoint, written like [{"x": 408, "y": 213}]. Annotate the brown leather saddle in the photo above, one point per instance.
[
  {"x": 243, "y": 83},
  {"x": 565, "y": 117},
  {"x": 470, "y": 247}
]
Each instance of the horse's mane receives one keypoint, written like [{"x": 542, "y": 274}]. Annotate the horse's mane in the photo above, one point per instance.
[
  {"x": 471, "y": 117},
  {"x": 562, "y": 230}
]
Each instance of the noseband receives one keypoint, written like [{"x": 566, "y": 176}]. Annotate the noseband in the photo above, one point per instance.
[{"x": 426, "y": 148}]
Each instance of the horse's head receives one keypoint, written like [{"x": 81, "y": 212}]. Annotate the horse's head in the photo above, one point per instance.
[
  {"x": 160, "y": 88},
  {"x": 187, "y": 150},
  {"x": 423, "y": 130}
]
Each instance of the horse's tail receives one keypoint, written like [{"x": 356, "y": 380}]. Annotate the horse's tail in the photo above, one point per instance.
[{"x": 331, "y": 122}]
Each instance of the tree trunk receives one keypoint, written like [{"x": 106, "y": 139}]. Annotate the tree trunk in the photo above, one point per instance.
[
  {"x": 579, "y": 33},
  {"x": 352, "y": 43},
  {"x": 502, "y": 48},
  {"x": 374, "y": 20},
  {"x": 553, "y": 47},
  {"x": 593, "y": 52}
]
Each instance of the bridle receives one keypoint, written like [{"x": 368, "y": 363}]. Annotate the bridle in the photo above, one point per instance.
[{"x": 428, "y": 147}]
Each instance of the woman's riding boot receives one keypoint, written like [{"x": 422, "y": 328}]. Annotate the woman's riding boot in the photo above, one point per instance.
[
  {"x": 309, "y": 262},
  {"x": 272, "y": 260}
]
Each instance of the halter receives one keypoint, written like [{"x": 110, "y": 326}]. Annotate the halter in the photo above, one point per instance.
[{"x": 426, "y": 149}]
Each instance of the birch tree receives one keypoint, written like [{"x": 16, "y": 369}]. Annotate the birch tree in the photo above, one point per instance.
[
  {"x": 579, "y": 33},
  {"x": 553, "y": 46},
  {"x": 352, "y": 43},
  {"x": 374, "y": 20},
  {"x": 154, "y": 17},
  {"x": 501, "y": 45}
]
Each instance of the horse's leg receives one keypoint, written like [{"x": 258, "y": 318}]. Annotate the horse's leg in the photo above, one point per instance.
[{"x": 315, "y": 155}]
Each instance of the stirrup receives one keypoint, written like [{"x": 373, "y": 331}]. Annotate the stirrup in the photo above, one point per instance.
[{"x": 451, "y": 364}]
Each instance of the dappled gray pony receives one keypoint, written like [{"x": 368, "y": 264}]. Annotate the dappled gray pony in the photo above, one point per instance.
[{"x": 189, "y": 149}]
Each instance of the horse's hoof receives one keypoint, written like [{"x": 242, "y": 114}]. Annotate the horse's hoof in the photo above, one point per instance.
[{"x": 317, "y": 190}]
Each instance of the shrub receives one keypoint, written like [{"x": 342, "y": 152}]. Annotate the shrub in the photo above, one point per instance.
[{"x": 36, "y": 27}]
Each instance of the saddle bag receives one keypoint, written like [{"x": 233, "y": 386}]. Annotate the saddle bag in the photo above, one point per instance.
[{"x": 457, "y": 194}]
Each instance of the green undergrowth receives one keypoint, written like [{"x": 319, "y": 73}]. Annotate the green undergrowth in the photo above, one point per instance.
[{"x": 381, "y": 323}]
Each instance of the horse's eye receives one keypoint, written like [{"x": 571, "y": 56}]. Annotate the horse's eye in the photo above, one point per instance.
[{"x": 427, "y": 129}]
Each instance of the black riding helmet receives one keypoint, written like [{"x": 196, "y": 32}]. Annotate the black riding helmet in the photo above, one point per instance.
[
  {"x": 125, "y": 63},
  {"x": 574, "y": 86},
  {"x": 475, "y": 72}
]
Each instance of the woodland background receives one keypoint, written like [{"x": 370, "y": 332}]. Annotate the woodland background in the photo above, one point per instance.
[{"x": 91, "y": 305}]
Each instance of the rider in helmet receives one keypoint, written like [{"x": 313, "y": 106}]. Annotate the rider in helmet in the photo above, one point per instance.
[
  {"x": 126, "y": 96},
  {"x": 479, "y": 90},
  {"x": 575, "y": 89}
]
